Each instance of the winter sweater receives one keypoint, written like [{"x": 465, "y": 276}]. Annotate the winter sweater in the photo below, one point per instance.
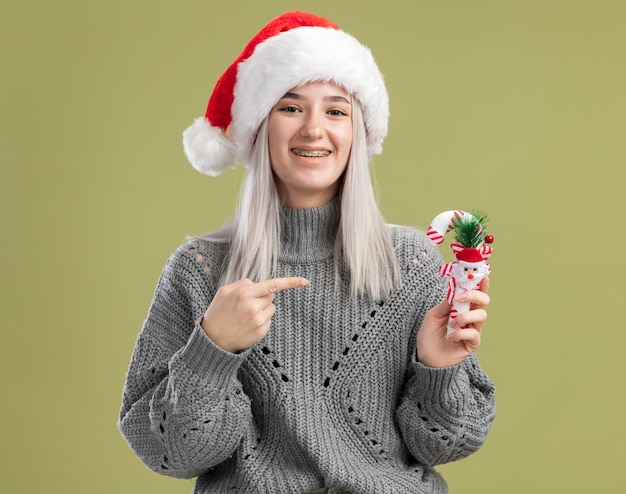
[{"x": 332, "y": 396}]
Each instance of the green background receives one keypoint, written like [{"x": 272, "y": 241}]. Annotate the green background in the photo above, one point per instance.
[{"x": 517, "y": 108}]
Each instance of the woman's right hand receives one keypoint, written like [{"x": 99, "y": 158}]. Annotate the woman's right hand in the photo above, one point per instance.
[{"x": 241, "y": 313}]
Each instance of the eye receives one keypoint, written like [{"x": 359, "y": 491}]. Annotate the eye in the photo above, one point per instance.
[
  {"x": 335, "y": 112},
  {"x": 465, "y": 270},
  {"x": 289, "y": 109}
]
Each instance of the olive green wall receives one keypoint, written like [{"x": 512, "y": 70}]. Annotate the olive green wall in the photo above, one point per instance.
[{"x": 517, "y": 108}]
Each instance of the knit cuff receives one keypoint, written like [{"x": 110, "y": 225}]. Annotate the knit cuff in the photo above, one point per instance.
[
  {"x": 209, "y": 361},
  {"x": 441, "y": 385}
]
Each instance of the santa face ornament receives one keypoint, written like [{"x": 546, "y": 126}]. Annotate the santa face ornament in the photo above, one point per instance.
[
  {"x": 469, "y": 274},
  {"x": 471, "y": 252}
]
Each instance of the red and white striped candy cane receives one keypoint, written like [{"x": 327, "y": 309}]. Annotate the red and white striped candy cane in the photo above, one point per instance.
[{"x": 442, "y": 224}]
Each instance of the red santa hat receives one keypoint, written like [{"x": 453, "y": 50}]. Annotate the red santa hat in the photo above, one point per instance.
[
  {"x": 291, "y": 50},
  {"x": 469, "y": 255}
]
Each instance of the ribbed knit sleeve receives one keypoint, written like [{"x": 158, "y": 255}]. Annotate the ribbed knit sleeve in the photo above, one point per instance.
[
  {"x": 446, "y": 413},
  {"x": 183, "y": 410}
]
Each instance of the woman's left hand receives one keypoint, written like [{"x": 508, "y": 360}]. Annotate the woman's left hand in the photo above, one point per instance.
[{"x": 435, "y": 348}]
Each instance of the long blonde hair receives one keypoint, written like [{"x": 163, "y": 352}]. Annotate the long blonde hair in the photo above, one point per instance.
[{"x": 362, "y": 247}]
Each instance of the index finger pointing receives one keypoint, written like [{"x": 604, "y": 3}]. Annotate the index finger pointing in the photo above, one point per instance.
[{"x": 279, "y": 284}]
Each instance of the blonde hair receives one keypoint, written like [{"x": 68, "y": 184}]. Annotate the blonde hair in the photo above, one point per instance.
[{"x": 362, "y": 247}]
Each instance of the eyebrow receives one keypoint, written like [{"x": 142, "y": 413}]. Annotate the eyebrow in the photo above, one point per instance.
[{"x": 332, "y": 99}]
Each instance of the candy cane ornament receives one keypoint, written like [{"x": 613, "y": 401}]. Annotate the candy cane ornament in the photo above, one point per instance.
[{"x": 470, "y": 255}]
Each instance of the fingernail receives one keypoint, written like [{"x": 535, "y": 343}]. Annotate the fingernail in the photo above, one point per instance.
[{"x": 462, "y": 297}]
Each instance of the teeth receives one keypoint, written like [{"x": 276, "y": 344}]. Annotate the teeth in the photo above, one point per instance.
[{"x": 311, "y": 154}]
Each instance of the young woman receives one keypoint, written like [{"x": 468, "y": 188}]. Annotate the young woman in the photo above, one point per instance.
[{"x": 302, "y": 347}]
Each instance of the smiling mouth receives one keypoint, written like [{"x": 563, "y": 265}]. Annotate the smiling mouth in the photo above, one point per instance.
[{"x": 310, "y": 153}]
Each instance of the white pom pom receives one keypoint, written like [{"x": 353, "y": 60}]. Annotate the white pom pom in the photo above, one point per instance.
[{"x": 207, "y": 148}]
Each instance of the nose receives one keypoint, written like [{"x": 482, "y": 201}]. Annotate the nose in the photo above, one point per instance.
[
  {"x": 470, "y": 276},
  {"x": 312, "y": 127}
]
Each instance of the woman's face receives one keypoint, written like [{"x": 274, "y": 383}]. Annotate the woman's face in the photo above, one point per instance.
[{"x": 310, "y": 137}]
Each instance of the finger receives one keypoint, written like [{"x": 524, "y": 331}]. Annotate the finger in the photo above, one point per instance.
[
  {"x": 276, "y": 285},
  {"x": 475, "y": 317},
  {"x": 437, "y": 316},
  {"x": 264, "y": 322},
  {"x": 469, "y": 335},
  {"x": 475, "y": 297},
  {"x": 231, "y": 287},
  {"x": 264, "y": 316}
]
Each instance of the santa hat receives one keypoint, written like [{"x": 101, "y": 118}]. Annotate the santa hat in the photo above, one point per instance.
[
  {"x": 291, "y": 50},
  {"x": 469, "y": 255}
]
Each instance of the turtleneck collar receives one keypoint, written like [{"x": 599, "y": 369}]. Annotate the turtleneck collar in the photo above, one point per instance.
[{"x": 308, "y": 235}]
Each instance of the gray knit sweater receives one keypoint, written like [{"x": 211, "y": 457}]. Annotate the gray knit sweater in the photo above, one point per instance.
[{"x": 332, "y": 396}]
